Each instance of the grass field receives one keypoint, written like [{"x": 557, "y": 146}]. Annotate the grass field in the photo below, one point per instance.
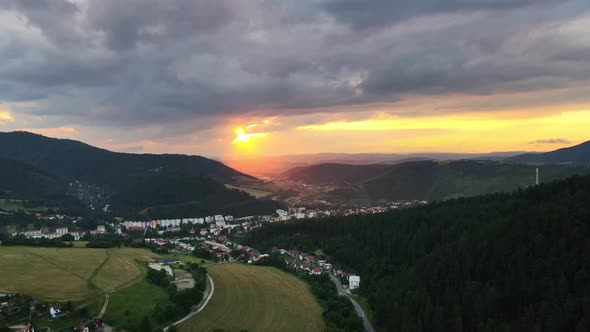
[
  {"x": 252, "y": 191},
  {"x": 69, "y": 273},
  {"x": 128, "y": 306},
  {"x": 15, "y": 205},
  {"x": 258, "y": 299}
]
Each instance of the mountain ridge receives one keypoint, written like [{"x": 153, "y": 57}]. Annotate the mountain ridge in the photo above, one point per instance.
[
  {"x": 574, "y": 155},
  {"x": 433, "y": 180},
  {"x": 80, "y": 161}
]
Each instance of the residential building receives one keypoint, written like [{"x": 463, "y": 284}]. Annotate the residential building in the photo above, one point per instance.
[
  {"x": 354, "y": 282},
  {"x": 61, "y": 231}
]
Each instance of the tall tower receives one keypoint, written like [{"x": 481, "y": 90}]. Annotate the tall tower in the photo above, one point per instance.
[{"x": 537, "y": 176}]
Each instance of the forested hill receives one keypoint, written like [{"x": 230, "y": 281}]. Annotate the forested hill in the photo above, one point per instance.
[
  {"x": 155, "y": 186},
  {"x": 500, "y": 262},
  {"x": 19, "y": 180},
  {"x": 335, "y": 174},
  {"x": 79, "y": 161},
  {"x": 166, "y": 194},
  {"x": 575, "y": 155},
  {"x": 436, "y": 180}
]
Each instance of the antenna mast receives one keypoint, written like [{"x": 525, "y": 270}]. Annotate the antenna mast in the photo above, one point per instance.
[{"x": 537, "y": 176}]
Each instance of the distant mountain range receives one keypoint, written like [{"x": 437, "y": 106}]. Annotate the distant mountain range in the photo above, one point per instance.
[
  {"x": 575, "y": 155},
  {"x": 425, "y": 180},
  {"x": 273, "y": 166},
  {"x": 39, "y": 167}
]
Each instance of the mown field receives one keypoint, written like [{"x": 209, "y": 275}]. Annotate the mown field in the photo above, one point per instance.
[
  {"x": 69, "y": 273},
  {"x": 257, "y": 299},
  {"x": 252, "y": 191},
  {"x": 128, "y": 306},
  {"x": 15, "y": 205}
]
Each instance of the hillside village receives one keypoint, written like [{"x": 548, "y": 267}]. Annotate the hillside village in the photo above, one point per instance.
[{"x": 214, "y": 224}]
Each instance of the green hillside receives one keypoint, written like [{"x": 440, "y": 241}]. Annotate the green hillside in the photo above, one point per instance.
[
  {"x": 166, "y": 194},
  {"x": 335, "y": 174},
  {"x": 36, "y": 167},
  {"x": 501, "y": 262},
  {"x": 432, "y": 180},
  {"x": 79, "y": 161},
  {"x": 26, "y": 187}
]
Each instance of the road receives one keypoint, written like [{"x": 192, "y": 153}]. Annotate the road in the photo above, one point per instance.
[
  {"x": 357, "y": 307},
  {"x": 210, "y": 288}
]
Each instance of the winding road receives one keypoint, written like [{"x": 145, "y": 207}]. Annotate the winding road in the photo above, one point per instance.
[
  {"x": 357, "y": 307},
  {"x": 210, "y": 288}
]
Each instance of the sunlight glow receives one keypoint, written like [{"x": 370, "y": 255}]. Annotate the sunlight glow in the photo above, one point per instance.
[
  {"x": 243, "y": 137},
  {"x": 5, "y": 117}
]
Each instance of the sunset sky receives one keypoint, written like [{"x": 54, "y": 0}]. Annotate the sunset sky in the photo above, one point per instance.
[{"x": 273, "y": 77}]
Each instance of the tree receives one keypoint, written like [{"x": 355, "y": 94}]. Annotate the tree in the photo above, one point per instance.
[
  {"x": 67, "y": 237},
  {"x": 510, "y": 262},
  {"x": 145, "y": 324}
]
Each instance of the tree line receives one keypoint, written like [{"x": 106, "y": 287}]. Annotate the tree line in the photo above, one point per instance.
[{"x": 499, "y": 262}]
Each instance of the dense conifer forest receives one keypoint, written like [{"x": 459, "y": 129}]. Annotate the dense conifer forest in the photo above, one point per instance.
[{"x": 500, "y": 262}]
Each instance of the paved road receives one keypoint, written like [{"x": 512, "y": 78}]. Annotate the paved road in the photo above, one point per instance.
[
  {"x": 357, "y": 307},
  {"x": 210, "y": 288}
]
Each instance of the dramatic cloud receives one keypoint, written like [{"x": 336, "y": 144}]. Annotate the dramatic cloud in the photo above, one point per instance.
[
  {"x": 379, "y": 12},
  {"x": 551, "y": 141},
  {"x": 162, "y": 69}
]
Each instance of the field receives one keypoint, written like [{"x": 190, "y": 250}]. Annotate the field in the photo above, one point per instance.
[
  {"x": 257, "y": 299},
  {"x": 128, "y": 306},
  {"x": 252, "y": 191},
  {"x": 69, "y": 273},
  {"x": 15, "y": 205}
]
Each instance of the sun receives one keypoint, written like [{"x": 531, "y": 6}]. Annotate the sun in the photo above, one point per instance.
[{"x": 245, "y": 138}]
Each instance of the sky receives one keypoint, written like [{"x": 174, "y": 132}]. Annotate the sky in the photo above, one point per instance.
[{"x": 274, "y": 77}]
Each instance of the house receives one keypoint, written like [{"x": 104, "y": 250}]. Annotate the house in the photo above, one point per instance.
[
  {"x": 354, "y": 282},
  {"x": 60, "y": 231},
  {"x": 55, "y": 312},
  {"x": 29, "y": 328},
  {"x": 316, "y": 271},
  {"x": 219, "y": 221},
  {"x": 101, "y": 229},
  {"x": 327, "y": 266}
]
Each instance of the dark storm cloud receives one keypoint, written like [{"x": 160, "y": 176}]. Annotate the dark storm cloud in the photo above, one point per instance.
[
  {"x": 362, "y": 13},
  {"x": 127, "y": 23},
  {"x": 165, "y": 63}
]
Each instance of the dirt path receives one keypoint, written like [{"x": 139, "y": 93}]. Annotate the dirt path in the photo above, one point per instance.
[{"x": 104, "y": 306}]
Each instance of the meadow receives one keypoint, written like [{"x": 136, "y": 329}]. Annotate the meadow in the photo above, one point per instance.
[
  {"x": 77, "y": 274},
  {"x": 257, "y": 299}
]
